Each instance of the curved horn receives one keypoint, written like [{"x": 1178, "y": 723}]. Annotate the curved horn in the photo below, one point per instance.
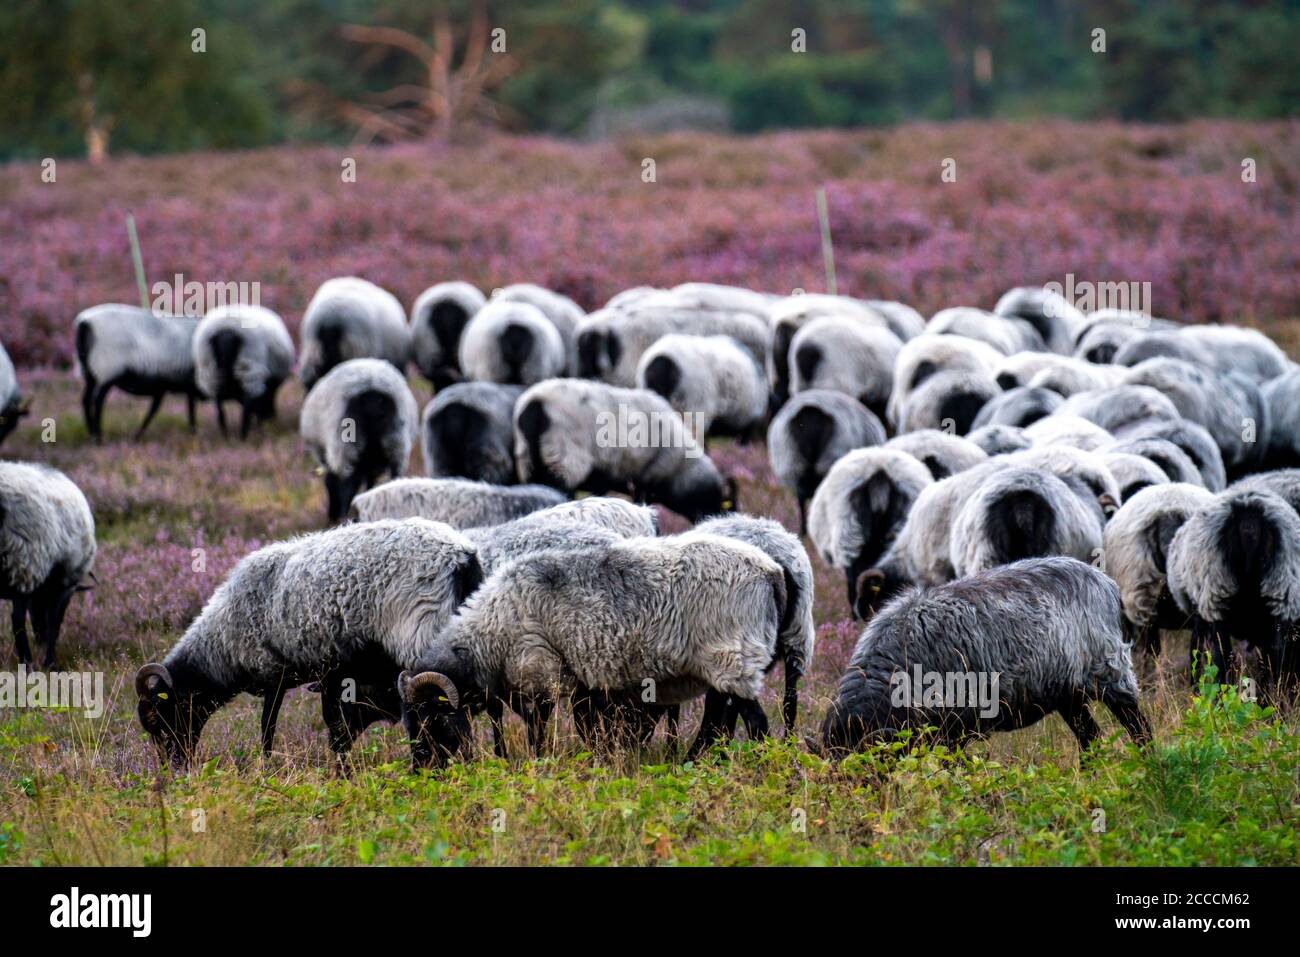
[
  {"x": 428, "y": 685},
  {"x": 142, "y": 686}
]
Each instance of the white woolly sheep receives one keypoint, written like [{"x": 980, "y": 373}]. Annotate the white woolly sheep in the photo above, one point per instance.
[
  {"x": 460, "y": 503},
  {"x": 1119, "y": 407},
  {"x": 1053, "y": 317},
  {"x": 999, "y": 439},
  {"x": 1020, "y": 406},
  {"x": 563, "y": 313},
  {"x": 1193, "y": 440},
  {"x": 947, "y": 400},
  {"x": 242, "y": 353},
  {"x": 351, "y": 318},
  {"x": 1284, "y": 483},
  {"x": 438, "y": 318},
  {"x": 1283, "y": 398},
  {"x": 942, "y": 454},
  {"x": 1135, "y": 552},
  {"x": 512, "y": 342},
  {"x": 1100, "y": 342},
  {"x": 1068, "y": 376},
  {"x": 846, "y": 355},
  {"x": 1006, "y": 334},
  {"x": 359, "y": 422},
  {"x": 1046, "y": 630},
  {"x": 354, "y": 604},
  {"x": 1169, "y": 458},
  {"x": 810, "y": 433},
  {"x": 138, "y": 351},
  {"x": 1221, "y": 349},
  {"x": 47, "y": 549},
  {"x": 713, "y": 378},
  {"x": 574, "y": 434},
  {"x": 679, "y": 615},
  {"x": 12, "y": 405},
  {"x": 1019, "y": 368},
  {"x": 1133, "y": 472},
  {"x": 860, "y": 507},
  {"x": 1072, "y": 464},
  {"x": 1062, "y": 429},
  {"x": 922, "y": 357},
  {"x": 468, "y": 430}
]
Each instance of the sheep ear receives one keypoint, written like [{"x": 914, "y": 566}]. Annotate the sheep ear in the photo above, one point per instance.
[
  {"x": 731, "y": 499},
  {"x": 869, "y": 585},
  {"x": 154, "y": 682},
  {"x": 428, "y": 688}
]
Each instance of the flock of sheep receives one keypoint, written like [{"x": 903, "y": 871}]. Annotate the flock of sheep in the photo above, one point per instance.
[{"x": 1026, "y": 493}]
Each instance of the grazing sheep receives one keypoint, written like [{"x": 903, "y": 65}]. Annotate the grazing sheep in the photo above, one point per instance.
[
  {"x": 12, "y": 406},
  {"x": 563, "y": 313},
  {"x": 354, "y": 604},
  {"x": 1021, "y": 513},
  {"x": 1235, "y": 567},
  {"x": 1133, "y": 472},
  {"x": 460, "y": 503},
  {"x": 1048, "y": 629},
  {"x": 468, "y": 430},
  {"x": 574, "y": 434},
  {"x": 242, "y": 354},
  {"x": 1068, "y": 377},
  {"x": 942, "y": 454},
  {"x": 1135, "y": 551},
  {"x": 947, "y": 400},
  {"x": 999, "y": 439},
  {"x": 561, "y": 526},
  {"x": 1284, "y": 483},
  {"x": 1283, "y": 398},
  {"x": 138, "y": 351},
  {"x": 512, "y": 342},
  {"x": 1053, "y": 317},
  {"x": 712, "y": 377},
  {"x": 1075, "y": 465},
  {"x": 671, "y": 616},
  {"x": 1006, "y": 334},
  {"x": 1101, "y": 342},
  {"x": 1222, "y": 349},
  {"x": 922, "y": 357},
  {"x": 859, "y": 508},
  {"x": 1062, "y": 429},
  {"x": 438, "y": 320},
  {"x": 47, "y": 548},
  {"x": 846, "y": 355},
  {"x": 810, "y": 433},
  {"x": 1119, "y": 407},
  {"x": 1169, "y": 458},
  {"x": 1230, "y": 407},
  {"x": 1193, "y": 440},
  {"x": 351, "y": 318},
  {"x": 1019, "y": 407},
  {"x": 359, "y": 421},
  {"x": 1019, "y": 368}
]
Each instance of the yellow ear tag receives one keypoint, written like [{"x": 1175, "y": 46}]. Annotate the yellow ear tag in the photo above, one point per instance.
[
  {"x": 727, "y": 505},
  {"x": 442, "y": 697},
  {"x": 162, "y": 696},
  {"x": 318, "y": 471}
]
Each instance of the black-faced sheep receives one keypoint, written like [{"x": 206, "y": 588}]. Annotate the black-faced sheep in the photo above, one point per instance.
[
  {"x": 1133, "y": 472},
  {"x": 468, "y": 430},
  {"x": 1047, "y": 631},
  {"x": 941, "y": 453},
  {"x": 846, "y": 355},
  {"x": 1075, "y": 465},
  {"x": 242, "y": 354},
  {"x": 1068, "y": 377},
  {"x": 926, "y": 355},
  {"x": 1222, "y": 349},
  {"x": 810, "y": 433},
  {"x": 438, "y": 318},
  {"x": 1053, "y": 317},
  {"x": 47, "y": 548},
  {"x": 1169, "y": 458},
  {"x": 12, "y": 405},
  {"x": 1120, "y": 407},
  {"x": 573, "y": 434},
  {"x": 1006, "y": 334},
  {"x": 358, "y": 422},
  {"x": 1193, "y": 440},
  {"x": 1284, "y": 483},
  {"x": 138, "y": 351},
  {"x": 348, "y": 608},
  {"x": 460, "y": 503},
  {"x": 950, "y": 401},
  {"x": 351, "y": 318},
  {"x": 713, "y": 378},
  {"x": 1019, "y": 406},
  {"x": 513, "y": 343}
]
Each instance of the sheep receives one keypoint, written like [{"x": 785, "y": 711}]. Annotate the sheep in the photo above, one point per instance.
[
  {"x": 468, "y": 430},
  {"x": 715, "y": 297},
  {"x": 1133, "y": 472},
  {"x": 1068, "y": 376},
  {"x": 140, "y": 352},
  {"x": 351, "y": 318},
  {"x": 47, "y": 550},
  {"x": 1135, "y": 551},
  {"x": 1019, "y": 368},
  {"x": 611, "y": 341},
  {"x": 1231, "y": 408},
  {"x": 1220, "y": 349},
  {"x": 670, "y": 617},
  {"x": 1047, "y": 630},
  {"x": 947, "y": 400},
  {"x": 1235, "y": 567},
  {"x": 560, "y": 310},
  {"x": 460, "y": 503},
  {"x": 1169, "y": 458},
  {"x": 1283, "y": 398},
  {"x": 242, "y": 353},
  {"x": 574, "y": 434},
  {"x": 1193, "y": 440},
  {"x": 1020, "y": 406},
  {"x": 942, "y": 454},
  {"x": 561, "y": 526},
  {"x": 1100, "y": 342},
  {"x": 358, "y": 422},
  {"x": 1006, "y": 334},
  {"x": 921, "y": 357},
  {"x": 860, "y": 507},
  {"x": 1024, "y": 512},
  {"x": 438, "y": 319},
  {"x": 811, "y": 433},
  {"x": 1062, "y": 429},
  {"x": 1053, "y": 317},
  {"x": 999, "y": 439},
  {"x": 847, "y": 355},
  {"x": 353, "y": 604},
  {"x": 904, "y": 321},
  {"x": 1072, "y": 464},
  {"x": 1118, "y": 407},
  {"x": 711, "y": 377},
  {"x": 12, "y": 405},
  {"x": 1284, "y": 483},
  {"x": 513, "y": 343}
]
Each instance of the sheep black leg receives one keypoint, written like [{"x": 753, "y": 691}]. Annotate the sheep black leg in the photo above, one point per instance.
[
  {"x": 191, "y": 413},
  {"x": 803, "y": 516},
  {"x": 154, "y": 405},
  {"x": 56, "y": 608},
  {"x": 101, "y": 393},
  {"x": 221, "y": 417},
  {"x": 245, "y": 420},
  {"x": 712, "y": 727},
  {"x": 19, "y": 618},
  {"x": 271, "y": 702},
  {"x": 790, "y": 701},
  {"x": 88, "y": 407},
  {"x": 331, "y": 709},
  {"x": 1209, "y": 641},
  {"x": 538, "y": 714},
  {"x": 496, "y": 714},
  {"x": 1079, "y": 718},
  {"x": 673, "y": 720},
  {"x": 1129, "y": 714},
  {"x": 752, "y": 714}
]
